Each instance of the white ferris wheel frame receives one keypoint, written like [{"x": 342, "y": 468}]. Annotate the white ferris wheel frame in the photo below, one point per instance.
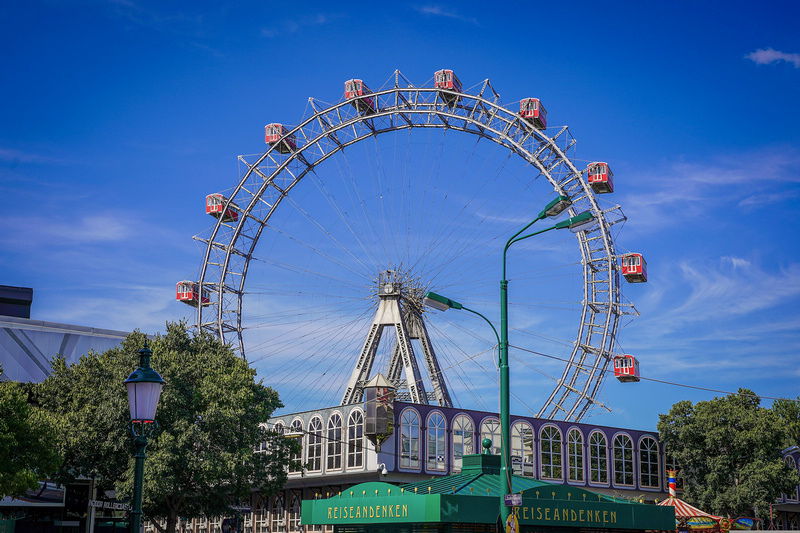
[{"x": 332, "y": 127}]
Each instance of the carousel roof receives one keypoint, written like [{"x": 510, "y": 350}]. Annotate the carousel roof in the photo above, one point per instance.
[{"x": 683, "y": 509}]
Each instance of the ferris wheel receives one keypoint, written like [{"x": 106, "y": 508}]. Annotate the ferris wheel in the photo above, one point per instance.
[{"x": 350, "y": 216}]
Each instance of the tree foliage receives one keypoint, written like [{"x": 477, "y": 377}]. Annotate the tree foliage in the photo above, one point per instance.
[
  {"x": 27, "y": 442},
  {"x": 789, "y": 413},
  {"x": 203, "y": 457},
  {"x": 728, "y": 451}
]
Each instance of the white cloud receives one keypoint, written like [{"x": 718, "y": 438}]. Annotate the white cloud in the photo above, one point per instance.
[
  {"x": 681, "y": 190},
  {"x": 440, "y": 11},
  {"x": 767, "y": 56}
]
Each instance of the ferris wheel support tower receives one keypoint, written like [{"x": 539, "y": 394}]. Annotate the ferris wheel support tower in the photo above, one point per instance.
[{"x": 408, "y": 324}]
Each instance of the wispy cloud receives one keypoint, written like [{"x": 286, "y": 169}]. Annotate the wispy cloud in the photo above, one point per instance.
[
  {"x": 745, "y": 180},
  {"x": 726, "y": 299},
  {"x": 54, "y": 232},
  {"x": 719, "y": 316},
  {"x": 16, "y": 157},
  {"x": 767, "y": 56},
  {"x": 441, "y": 11},
  {"x": 292, "y": 26}
]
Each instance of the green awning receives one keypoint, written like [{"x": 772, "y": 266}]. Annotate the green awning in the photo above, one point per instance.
[{"x": 473, "y": 497}]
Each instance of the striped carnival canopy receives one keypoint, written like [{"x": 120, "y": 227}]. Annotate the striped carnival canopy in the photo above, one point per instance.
[{"x": 684, "y": 510}]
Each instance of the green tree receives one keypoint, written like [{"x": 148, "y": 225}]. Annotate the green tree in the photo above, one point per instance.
[
  {"x": 789, "y": 413},
  {"x": 202, "y": 458},
  {"x": 728, "y": 451},
  {"x": 27, "y": 442}
]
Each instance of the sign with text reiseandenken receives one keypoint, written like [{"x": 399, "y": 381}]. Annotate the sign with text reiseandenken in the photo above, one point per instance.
[{"x": 407, "y": 508}]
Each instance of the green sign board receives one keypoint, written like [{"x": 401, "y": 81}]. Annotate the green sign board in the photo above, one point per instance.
[{"x": 381, "y": 503}]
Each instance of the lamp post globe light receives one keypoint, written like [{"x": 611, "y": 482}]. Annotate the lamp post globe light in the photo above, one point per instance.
[
  {"x": 144, "y": 389},
  {"x": 575, "y": 224}
]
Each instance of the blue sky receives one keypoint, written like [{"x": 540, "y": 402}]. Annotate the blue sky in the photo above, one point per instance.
[{"x": 118, "y": 117}]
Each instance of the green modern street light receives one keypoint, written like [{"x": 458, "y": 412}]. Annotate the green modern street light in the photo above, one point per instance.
[
  {"x": 441, "y": 303},
  {"x": 575, "y": 224},
  {"x": 144, "y": 389}
]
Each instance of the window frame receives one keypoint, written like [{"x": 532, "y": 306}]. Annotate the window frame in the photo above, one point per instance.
[
  {"x": 621, "y": 476},
  {"x": 463, "y": 437},
  {"x": 579, "y": 468},
  {"x": 598, "y": 463},
  {"x": 551, "y": 453},
  {"x": 410, "y": 433},
  {"x": 438, "y": 435}
]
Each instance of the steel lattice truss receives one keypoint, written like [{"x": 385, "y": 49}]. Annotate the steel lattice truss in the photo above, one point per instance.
[{"x": 269, "y": 178}]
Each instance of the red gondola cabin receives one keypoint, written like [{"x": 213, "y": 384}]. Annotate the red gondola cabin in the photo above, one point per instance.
[
  {"x": 215, "y": 206},
  {"x": 626, "y": 368},
  {"x": 357, "y": 92},
  {"x": 278, "y": 134},
  {"x": 189, "y": 293},
  {"x": 600, "y": 177},
  {"x": 447, "y": 80},
  {"x": 634, "y": 268},
  {"x": 532, "y": 110}
]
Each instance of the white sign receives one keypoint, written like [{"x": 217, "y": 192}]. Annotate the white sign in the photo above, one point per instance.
[{"x": 116, "y": 506}]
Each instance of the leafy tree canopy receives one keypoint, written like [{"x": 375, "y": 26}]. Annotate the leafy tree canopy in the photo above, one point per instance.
[
  {"x": 202, "y": 458},
  {"x": 789, "y": 413},
  {"x": 27, "y": 442},
  {"x": 728, "y": 451}
]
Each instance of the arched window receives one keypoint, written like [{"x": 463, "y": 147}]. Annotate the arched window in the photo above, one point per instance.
[
  {"x": 463, "y": 437},
  {"x": 490, "y": 429},
  {"x": 550, "y": 454},
  {"x": 437, "y": 444},
  {"x": 355, "y": 440},
  {"x": 648, "y": 463},
  {"x": 409, "y": 435},
  {"x": 314, "y": 455},
  {"x": 296, "y": 460},
  {"x": 598, "y": 458},
  {"x": 522, "y": 449},
  {"x": 294, "y": 515},
  {"x": 278, "y": 520},
  {"x": 335, "y": 442},
  {"x": 575, "y": 455},
  {"x": 623, "y": 460},
  {"x": 261, "y": 517}
]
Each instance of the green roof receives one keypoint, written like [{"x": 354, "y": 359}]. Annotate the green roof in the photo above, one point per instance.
[
  {"x": 480, "y": 476},
  {"x": 473, "y": 497}
]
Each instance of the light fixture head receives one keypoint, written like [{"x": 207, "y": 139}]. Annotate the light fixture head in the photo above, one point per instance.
[
  {"x": 439, "y": 302},
  {"x": 581, "y": 222},
  {"x": 577, "y": 223},
  {"x": 144, "y": 389},
  {"x": 556, "y": 207}
]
